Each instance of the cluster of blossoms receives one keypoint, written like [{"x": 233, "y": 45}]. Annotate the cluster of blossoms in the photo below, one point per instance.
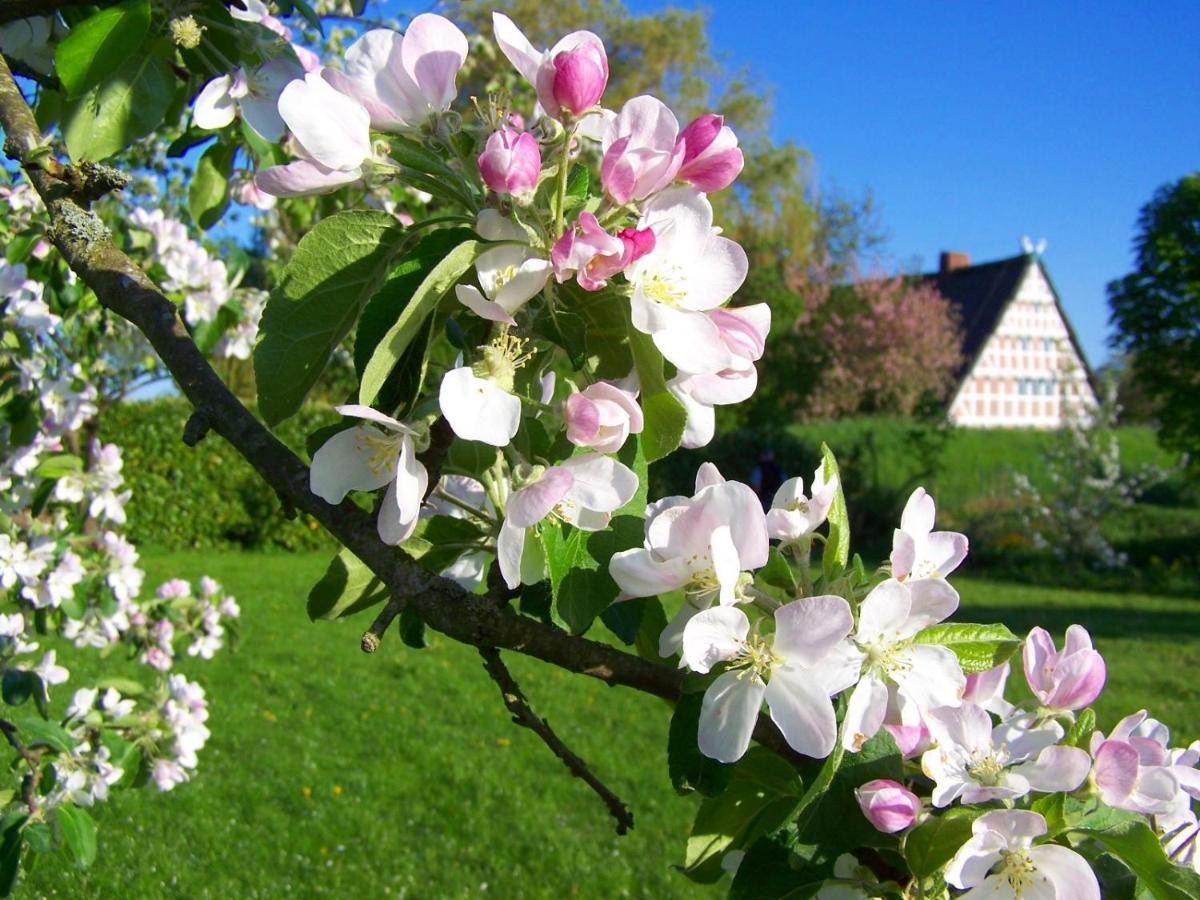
[
  {"x": 67, "y": 573},
  {"x": 187, "y": 269}
]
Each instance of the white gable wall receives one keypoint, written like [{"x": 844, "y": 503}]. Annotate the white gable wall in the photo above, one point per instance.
[{"x": 1028, "y": 374}]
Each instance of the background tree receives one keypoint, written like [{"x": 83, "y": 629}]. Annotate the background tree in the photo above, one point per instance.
[{"x": 1155, "y": 310}]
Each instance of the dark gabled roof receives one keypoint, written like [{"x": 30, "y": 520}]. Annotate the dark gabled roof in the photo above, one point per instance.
[{"x": 981, "y": 294}]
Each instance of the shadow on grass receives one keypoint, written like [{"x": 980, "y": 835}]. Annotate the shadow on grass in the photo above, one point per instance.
[{"x": 1100, "y": 620}]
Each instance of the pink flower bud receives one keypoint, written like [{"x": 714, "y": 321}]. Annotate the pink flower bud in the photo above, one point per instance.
[
  {"x": 888, "y": 805},
  {"x": 639, "y": 241},
  {"x": 580, "y": 76},
  {"x": 1067, "y": 679},
  {"x": 590, "y": 253},
  {"x": 913, "y": 740},
  {"x": 510, "y": 162},
  {"x": 711, "y": 158},
  {"x": 601, "y": 417}
]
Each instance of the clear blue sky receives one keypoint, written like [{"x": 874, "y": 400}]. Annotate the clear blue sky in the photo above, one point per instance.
[{"x": 976, "y": 123}]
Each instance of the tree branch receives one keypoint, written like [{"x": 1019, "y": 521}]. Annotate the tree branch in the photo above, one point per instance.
[
  {"x": 523, "y": 715},
  {"x": 124, "y": 288}
]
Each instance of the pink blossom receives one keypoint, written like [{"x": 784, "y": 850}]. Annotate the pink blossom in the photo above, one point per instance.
[
  {"x": 569, "y": 78},
  {"x": 511, "y": 162},
  {"x": 1070, "y": 679},
  {"x": 711, "y": 158},
  {"x": 601, "y": 417},
  {"x": 642, "y": 152},
  {"x": 593, "y": 255},
  {"x": 888, "y": 805}
]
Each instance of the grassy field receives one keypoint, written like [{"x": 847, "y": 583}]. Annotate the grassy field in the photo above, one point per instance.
[{"x": 333, "y": 773}]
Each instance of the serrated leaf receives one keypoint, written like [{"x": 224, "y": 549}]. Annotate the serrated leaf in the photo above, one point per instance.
[
  {"x": 39, "y": 732},
  {"x": 762, "y": 794},
  {"x": 18, "y": 686},
  {"x": 837, "y": 547},
  {"x": 98, "y": 46},
  {"x": 978, "y": 647},
  {"x": 125, "y": 107},
  {"x": 690, "y": 769},
  {"x": 336, "y": 268},
  {"x": 934, "y": 842},
  {"x": 436, "y": 283},
  {"x": 665, "y": 418},
  {"x": 79, "y": 833},
  {"x": 57, "y": 465},
  {"x": 1081, "y": 732},
  {"x": 778, "y": 573},
  {"x": 347, "y": 587}
]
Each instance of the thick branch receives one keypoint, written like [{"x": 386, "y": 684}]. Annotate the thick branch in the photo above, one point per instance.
[
  {"x": 124, "y": 288},
  {"x": 524, "y": 716}
]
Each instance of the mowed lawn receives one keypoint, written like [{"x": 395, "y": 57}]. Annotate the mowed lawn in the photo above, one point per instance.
[{"x": 333, "y": 773}]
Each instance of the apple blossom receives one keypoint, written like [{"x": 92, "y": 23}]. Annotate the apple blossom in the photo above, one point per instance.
[
  {"x": 583, "y": 491},
  {"x": 976, "y": 762},
  {"x": 1132, "y": 772},
  {"x": 641, "y": 150},
  {"x": 711, "y": 158},
  {"x": 593, "y": 255},
  {"x": 365, "y": 458},
  {"x": 601, "y": 417},
  {"x": 255, "y": 95},
  {"x": 928, "y": 675},
  {"x": 460, "y": 497},
  {"x": 793, "y": 515},
  {"x": 402, "y": 80},
  {"x": 569, "y": 78},
  {"x": 690, "y": 271},
  {"x": 999, "y": 861},
  {"x": 1066, "y": 680},
  {"x": 510, "y": 275},
  {"x": 888, "y": 805},
  {"x": 511, "y": 162},
  {"x": 49, "y": 671},
  {"x": 333, "y": 129},
  {"x": 796, "y": 671},
  {"x": 918, "y": 551},
  {"x": 986, "y": 689},
  {"x": 478, "y": 401}
]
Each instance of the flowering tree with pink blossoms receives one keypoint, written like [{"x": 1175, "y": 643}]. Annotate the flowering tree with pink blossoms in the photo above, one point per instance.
[{"x": 559, "y": 322}]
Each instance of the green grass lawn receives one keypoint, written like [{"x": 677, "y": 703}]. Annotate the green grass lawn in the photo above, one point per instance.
[{"x": 333, "y": 773}]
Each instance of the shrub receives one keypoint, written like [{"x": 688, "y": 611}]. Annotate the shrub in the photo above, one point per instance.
[{"x": 207, "y": 496}]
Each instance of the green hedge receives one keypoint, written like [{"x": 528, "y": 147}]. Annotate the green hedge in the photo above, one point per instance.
[{"x": 207, "y": 496}]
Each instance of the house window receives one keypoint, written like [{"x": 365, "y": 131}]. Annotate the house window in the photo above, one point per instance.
[
  {"x": 1048, "y": 344},
  {"x": 1024, "y": 343}
]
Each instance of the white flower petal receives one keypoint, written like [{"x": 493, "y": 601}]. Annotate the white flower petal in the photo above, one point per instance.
[
  {"x": 801, "y": 708},
  {"x": 344, "y": 463},
  {"x": 478, "y": 409},
  {"x": 713, "y": 636},
  {"x": 727, "y": 715}
]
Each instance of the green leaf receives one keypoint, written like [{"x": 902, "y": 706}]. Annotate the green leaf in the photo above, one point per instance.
[
  {"x": 978, "y": 647},
  {"x": 208, "y": 191},
  {"x": 126, "y": 686},
  {"x": 336, "y": 268},
  {"x": 778, "y": 573},
  {"x": 1136, "y": 845},
  {"x": 347, "y": 587},
  {"x": 18, "y": 686},
  {"x": 10, "y": 850},
  {"x": 96, "y": 47},
  {"x": 605, "y": 316},
  {"x": 771, "y": 870},
  {"x": 39, "y": 732},
  {"x": 412, "y": 630},
  {"x": 934, "y": 842},
  {"x": 433, "y": 540},
  {"x": 578, "y": 560},
  {"x": 79, "y": 833},
  {"x": 624, "y": 619},
  {"x": 837, "y": 547},
  {"x": 421, "y": 303},
  {"x": 57, "y": 465},
  {"x": 1081, "y": 732},
  {"x": 665, "y": 417},
  {"x": 762, "y": 794},
  {"x": 831, "y": 798},
  {"x": 690, "y": 769},
  {"x": 124, "y": 108}
]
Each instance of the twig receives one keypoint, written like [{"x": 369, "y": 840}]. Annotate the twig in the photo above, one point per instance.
[
  {"x": 373, "y": 636},
  {"x": 122, "y": 287},
  {"x": 523, "y": 715},
  {"x": 47, "y": 81},
  {"x": 196, "y": 428}
]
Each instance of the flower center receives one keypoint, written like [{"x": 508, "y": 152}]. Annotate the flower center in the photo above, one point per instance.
[
  {"x": 924, "y": 568},
  {"x": 885, "y": 656},
  {"x": 799, "y": 505},
  {"x": 1018, "y": 868},
  {"x": 501, "y": 359},
  {"x": 987, "y": 769},
  {"x": 381, "y": 449},
  {"x": 503, "y": 277},
  {"x": 665, "y": 286},
  {"x": 756, "y": 658}
]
